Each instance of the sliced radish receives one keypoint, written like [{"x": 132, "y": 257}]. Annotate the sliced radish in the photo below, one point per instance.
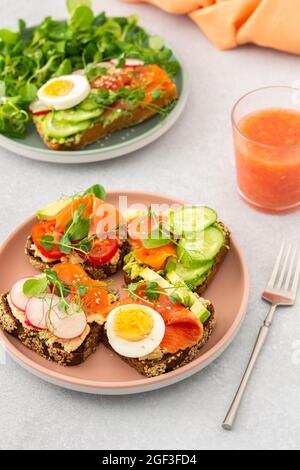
[
  {"x": 37, "y": 310},
  {"x": 67, "y": 325},
  {"x": 38, "y": 108},
  {"x": 134, "y": 63},
  {"x": 17, "y": 296},
  {"x": 129, "y": 62}
]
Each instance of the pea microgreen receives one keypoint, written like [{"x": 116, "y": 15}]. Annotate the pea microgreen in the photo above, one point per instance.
[{"x": 150, "y": 292}]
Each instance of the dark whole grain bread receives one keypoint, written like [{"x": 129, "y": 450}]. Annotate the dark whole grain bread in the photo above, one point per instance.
[
  {"x": 55, "y": 352},
  {"x": 96, "y": 272},
  {"x": 169, "y": 362},
  {"x": 98, "y": 132},
  {"x": 213, "y": 270}
]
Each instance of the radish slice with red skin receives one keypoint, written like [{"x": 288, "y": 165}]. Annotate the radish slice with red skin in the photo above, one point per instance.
[
  {"x": 37, "y": 310},
  {"x": 38, "y": 108},
  {"x": 17, "y": 296},
  {"x": 129, "y": 62},
  {"x": 67, "y": 325}
]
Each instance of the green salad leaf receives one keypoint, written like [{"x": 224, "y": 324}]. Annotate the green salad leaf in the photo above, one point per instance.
[
  {"x": 30, "y": 57},
  {"x": 72, "y": 5},
  {"x": 81, "y": 18}
]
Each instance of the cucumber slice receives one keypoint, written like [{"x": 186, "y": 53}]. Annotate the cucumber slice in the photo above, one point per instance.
[
  {"x": 192, "y": 277},
  {"x": 189, "y": 221},
  {"x": 77, "y": 115},
  {"x": 60, "y": 130},
  {"x": 193, "y": 253}
]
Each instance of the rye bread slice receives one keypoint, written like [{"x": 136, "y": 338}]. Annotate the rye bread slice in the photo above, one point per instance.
[
  {"x": 213, "y": 270},
  {"x": 96, "y": 272},
  {"x": 54, "y": 352},
  {"x": 169, "y": 362},
  {"x": 97, "y": 132}
]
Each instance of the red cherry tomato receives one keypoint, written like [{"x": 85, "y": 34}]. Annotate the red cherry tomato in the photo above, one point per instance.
[
  {"x": 102, "y": 251},
  {"x": 47, "y": 228}
]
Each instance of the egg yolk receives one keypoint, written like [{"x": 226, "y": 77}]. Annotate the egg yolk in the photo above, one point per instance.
[
  {"x": 59, "y": 88},
  {"x": 133, "y": 323}
]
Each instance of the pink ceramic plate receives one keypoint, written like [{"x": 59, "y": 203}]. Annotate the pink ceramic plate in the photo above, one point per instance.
[{"x": 104, "y": 372}]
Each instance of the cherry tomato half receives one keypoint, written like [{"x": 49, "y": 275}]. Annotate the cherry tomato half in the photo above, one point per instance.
[
  {"x": 47, "y": 228},
  {"x": 102, "y": 251}
]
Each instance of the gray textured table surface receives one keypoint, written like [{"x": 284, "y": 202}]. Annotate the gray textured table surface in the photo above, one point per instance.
[{"x": 194, "y": 160}]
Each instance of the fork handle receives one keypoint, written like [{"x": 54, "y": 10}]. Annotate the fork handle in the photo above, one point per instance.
[{"x": 261, "y": 339}]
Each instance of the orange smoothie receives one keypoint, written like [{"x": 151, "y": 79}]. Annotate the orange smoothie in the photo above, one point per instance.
[{"x": 267, "y": 147}]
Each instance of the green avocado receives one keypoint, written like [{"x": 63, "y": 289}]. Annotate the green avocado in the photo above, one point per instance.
[
  {"x": 50, "y": 211},
  {"x": 193, "y": 277}
]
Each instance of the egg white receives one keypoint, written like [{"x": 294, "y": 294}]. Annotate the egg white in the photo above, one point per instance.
[
  {"x": 79, "y": 92},
  {"x": 136, "y": 349}
]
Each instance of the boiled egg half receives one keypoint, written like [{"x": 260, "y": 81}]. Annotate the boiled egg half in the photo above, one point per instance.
[
  {"x": 64, "y": 92},
  {"x": 134, "y": 330}
]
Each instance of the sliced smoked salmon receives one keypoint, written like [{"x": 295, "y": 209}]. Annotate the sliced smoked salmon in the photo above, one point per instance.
[
  {"x": 96, "y": 298},
  {"x": 155, "y": 257}
]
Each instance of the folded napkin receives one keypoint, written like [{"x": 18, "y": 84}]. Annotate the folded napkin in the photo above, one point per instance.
[{"x": 228, "y": 23}]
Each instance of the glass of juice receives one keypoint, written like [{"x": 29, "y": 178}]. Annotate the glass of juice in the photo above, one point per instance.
[{"x": 266, "y": 134}]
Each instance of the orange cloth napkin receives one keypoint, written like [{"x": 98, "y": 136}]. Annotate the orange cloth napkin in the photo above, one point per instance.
[{"x": 228, "y": 23}]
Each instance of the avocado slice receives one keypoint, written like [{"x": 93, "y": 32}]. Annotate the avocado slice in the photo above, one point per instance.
[
  {"x": 196, "y": 307},
  {"x": 193, "y": 277},
  {"x": 188, "y": 298},
  {"x": 50, "y": 211}
]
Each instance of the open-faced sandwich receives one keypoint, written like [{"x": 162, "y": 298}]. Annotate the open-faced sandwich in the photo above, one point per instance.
[
  {"x": 74, "y": 111},
  {"x": 159, "y": 326},
  {"x": 81, "y": 229},
  {"x": 81, "y": 79},
  {"x": 58, "y": 314},
  {"x": 187, "y": 242}
]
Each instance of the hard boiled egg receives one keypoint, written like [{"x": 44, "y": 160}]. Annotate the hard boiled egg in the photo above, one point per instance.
[
  {"x": 64, "y": 92},
  {"x": 134, "y": 330}
]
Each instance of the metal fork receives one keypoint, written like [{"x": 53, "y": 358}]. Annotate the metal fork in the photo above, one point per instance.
[{"x": 281, "y": 290}]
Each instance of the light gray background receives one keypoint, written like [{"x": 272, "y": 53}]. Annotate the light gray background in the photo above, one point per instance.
[{"x": 193, "y": 161}]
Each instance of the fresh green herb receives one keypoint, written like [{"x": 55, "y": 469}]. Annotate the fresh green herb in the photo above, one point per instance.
[
  {"x": 156, "y": 43},
  {"x": 78, "y": 227},
  {"x": 2, "y": 89},
  {"x": 98, "y": 190},
  {"x": 28, "y": 58},
  {"x": 150, "y": 292},
  {"x": 156, "y": 94},
  {"x": 82, "y": 18},
  {"x": 35, "y": 287},
  {"x": 47, "y": 242},
  {"x": 73, "y": 4}
]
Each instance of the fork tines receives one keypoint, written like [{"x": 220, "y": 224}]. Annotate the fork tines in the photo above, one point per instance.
[{"x": 286, "y": 272}]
